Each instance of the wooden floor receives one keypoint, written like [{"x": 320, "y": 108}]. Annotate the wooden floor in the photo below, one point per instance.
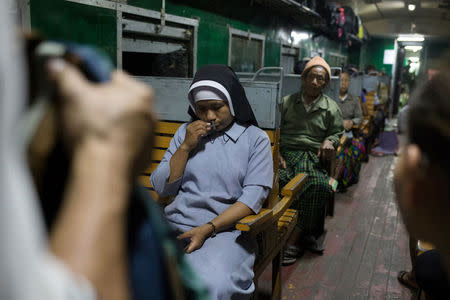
[{"x": 365, "y": 246}]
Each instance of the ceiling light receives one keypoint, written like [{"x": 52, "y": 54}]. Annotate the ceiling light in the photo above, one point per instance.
[
  {"x": 413, "y": 48},
  {"x": 410, "y": 38},
  {"x": 299, "y": 36},
  {"x": 411, "y": 7}
]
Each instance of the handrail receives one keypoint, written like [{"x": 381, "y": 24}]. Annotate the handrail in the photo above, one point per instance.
[
  {"x": 336, "y": 69},
  {"x": 280, "y": 82}
]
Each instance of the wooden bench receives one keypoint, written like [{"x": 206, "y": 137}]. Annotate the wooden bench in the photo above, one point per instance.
[{"x": 271, "y": 226}]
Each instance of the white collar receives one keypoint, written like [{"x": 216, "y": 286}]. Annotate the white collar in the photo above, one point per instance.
[{"x": 343, "y": 98}]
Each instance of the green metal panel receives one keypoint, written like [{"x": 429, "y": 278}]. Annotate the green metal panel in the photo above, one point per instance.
[
  {"x": 97, "y": 26},
  {"x": 64, "y": 20},
  {"x": 375, "y": 53},
  {"x": 213, "y": 36}
]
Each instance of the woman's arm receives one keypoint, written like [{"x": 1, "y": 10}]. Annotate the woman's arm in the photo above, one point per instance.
[
  {"x": 109, "y": 129},
  {"x": 89, "y": 234},
  {"x": 225, "y": 220},
  {"x": 166, "y": 179},
  {"x": 194, "y": 132},
  {"x": 257, "y": 184}
]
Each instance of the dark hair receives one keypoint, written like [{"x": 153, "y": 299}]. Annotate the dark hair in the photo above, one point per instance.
[
  {"x": 429, "y": 120},
  {"x": 300, "y": 66},
  {"x": 327, "y": 76},
  {"x": 370, "y": 68}
]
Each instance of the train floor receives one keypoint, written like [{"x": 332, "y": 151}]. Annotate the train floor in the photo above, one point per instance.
[{"x": 366, "y": 245}]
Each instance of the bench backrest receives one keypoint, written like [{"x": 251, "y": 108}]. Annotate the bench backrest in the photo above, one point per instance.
[
  {"x": 292, "y": 83},
  {"x": 172, "y": 103},
  {"x": 356, "y": 85}
]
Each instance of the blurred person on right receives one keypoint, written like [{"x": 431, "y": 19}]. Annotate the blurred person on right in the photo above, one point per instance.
[{"x": 422, "y": 182}]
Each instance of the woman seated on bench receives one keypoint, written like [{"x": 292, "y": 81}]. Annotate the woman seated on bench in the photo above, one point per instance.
[
  {"x": 354, "y": 149},
  {"x": 219, "y": 168}
]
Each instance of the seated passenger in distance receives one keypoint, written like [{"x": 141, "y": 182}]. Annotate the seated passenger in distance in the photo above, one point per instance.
[
  {"x": 219, "y": 168},
  {"x": 311, "y": 126},
  {"x": 354, "y": 150}
]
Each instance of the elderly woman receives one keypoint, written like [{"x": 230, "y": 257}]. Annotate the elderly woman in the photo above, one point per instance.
[
  {"x": 311, "y": 126},
  {"x": 354, "y": 150},
  {"x": 219, "y": 168}
]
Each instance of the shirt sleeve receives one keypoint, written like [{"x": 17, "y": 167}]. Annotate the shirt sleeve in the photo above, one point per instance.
[
  {"x": 336, "y": 126},
  {"x": 259, "y": 177},
  {"x": 160, "y": 177},
  {"x": 357, "y": 112},
  {"x": 254, "y": 196}
]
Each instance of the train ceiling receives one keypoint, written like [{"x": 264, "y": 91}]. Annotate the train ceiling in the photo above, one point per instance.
[{"x": 389, "y": 18}]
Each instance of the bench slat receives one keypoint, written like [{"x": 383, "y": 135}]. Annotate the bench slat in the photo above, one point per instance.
[
  {"x": 144, "y": 180},
  {"x": 167, "y": 127},
  {"x": 157, "y": 154},
  {"x": 162, "y": 141},
  {"x": 151, "y": 168}
]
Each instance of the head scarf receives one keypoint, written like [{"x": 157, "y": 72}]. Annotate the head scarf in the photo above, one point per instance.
[
  {"x": 222, "y": 84},
  {"x": 317, "y": 61}
]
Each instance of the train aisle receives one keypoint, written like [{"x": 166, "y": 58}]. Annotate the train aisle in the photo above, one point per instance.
[{"x": 366, "y": 244}]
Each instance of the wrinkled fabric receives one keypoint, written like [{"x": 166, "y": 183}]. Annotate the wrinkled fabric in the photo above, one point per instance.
[
  {"x": 235, "y": 165},
  {"x": 316, "y": 193}
]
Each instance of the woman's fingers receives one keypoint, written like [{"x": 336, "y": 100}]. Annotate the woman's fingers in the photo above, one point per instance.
[
  {"x": 184, "y": 235},
  {"x": 193, "y": 245}
]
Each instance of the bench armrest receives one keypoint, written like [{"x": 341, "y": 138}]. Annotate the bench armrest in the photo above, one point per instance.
[{"x": 256, "y": 223}]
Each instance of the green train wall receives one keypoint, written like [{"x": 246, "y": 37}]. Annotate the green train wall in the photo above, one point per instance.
[{"x": 97, "y": 26}]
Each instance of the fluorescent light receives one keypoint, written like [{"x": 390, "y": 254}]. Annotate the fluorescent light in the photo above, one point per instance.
[
  {"x": 413, "y": 48},
  {"x": 298, "y": 36},
  {"x": 411, "y": 7},
  {"x": 410, "y": 38}
]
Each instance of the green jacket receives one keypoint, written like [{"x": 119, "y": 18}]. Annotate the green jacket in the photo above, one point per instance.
[{"x": 306, "y": 131}]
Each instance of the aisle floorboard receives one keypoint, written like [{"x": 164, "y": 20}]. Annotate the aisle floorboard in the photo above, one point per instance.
[{"x": 365, "y": 246}]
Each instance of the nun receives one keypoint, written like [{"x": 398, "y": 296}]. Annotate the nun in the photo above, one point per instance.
[{"x": 219, "y": 169}]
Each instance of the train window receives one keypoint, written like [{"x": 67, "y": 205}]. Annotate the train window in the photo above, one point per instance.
[
  {"x": 246, "y": 51},
  {"x": 289, "y": 56},
  {"x": 149, "y": 48},
  {"x": 337, "y": 60}
]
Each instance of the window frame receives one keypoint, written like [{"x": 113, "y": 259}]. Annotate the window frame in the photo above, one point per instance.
[
  {"x": 122, "y": 8},
  {"x": 246, "y": 34},
  {"x": 291, "y": 46}
]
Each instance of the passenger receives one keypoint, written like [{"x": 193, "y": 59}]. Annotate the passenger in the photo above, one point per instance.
[
  {"x": 311, "y": 126},
  {"x": 219, "y": 167},
  {"x": 422, "y": 182},
  {"x": 354, "y": 149},
  {"x": 108, "y": 130}
]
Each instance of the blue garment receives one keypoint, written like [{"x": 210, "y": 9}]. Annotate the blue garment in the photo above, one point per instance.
[
  {"x": 363, "y": 97},
  {"x": 224, "y": 168}
]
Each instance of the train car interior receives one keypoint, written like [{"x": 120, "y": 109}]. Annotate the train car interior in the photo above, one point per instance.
[{"x": 294, "y": 149}]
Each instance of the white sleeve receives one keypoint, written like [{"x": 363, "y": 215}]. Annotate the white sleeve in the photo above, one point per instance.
[{"x": 27, "y": 268}]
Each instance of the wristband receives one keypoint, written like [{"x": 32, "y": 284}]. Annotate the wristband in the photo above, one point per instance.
[{"x": 213, "y": 234}]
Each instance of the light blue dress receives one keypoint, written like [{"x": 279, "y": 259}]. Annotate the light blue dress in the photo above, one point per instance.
[{"x": 232, "y": 166}]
